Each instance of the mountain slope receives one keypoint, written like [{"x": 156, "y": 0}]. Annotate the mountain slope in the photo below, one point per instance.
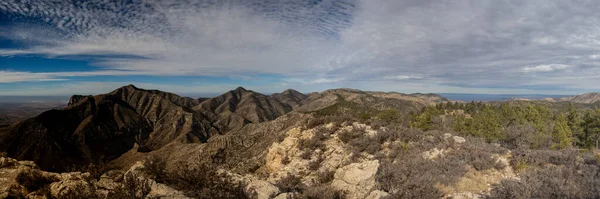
[
  {"x": 587, "y": 98},
  {"x": 239, "y": 107},
  {"x": 100, "y": 128},
  {"x": 290, "y": 97},
  {"x": 91, "y": 131},
  {"x": 371, "y": 100}
]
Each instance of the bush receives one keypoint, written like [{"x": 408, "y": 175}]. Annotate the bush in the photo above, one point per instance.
[
  {"x": 315, "y": 164},
  {"x": 34, "y": 180},
  {"x": 412, "y": 176},
  {"x": 80, "y": 191},
  {"x": 313, "y": 143},
  {"x": 541, "y": 158},
  {"x": 322, "y": 192},
  {"x": 203, "y": 181},
  {"x": 306, "y": 154},
  {"x": 389, "y": 116},
  {"x": 15, "y": 191},
  {"x": 552, "y": 182},
  {"x": 290, "y": 183},
  {"x": 133, "y": 186},
  {"x": 156, "y": 167},
  {"x": 325, "y": 176}
]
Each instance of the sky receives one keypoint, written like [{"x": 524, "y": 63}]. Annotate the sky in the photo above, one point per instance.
[{"x": 193, "y": 47}]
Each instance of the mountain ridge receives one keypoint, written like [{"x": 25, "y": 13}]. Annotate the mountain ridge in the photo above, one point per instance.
[{"x": 98, "y": 128}]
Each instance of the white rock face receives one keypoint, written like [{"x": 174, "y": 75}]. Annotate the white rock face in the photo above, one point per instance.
[
  {"x": 433, "y": 153},
  {"x": 358, "y": 179},
  {"x": 284, "y": 196},
  {"x": 263, "y": 189},
  {"x": 458, "y": 139},
  {"x": 377, "y": 194}
]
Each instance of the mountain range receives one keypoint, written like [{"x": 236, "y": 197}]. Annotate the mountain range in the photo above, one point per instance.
[{"x": 98, "y": 129}]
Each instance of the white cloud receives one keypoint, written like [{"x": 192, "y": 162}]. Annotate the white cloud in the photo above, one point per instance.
[
  {"x": 444, "y": 44},
  {"x": 546, "y": 68},
  {"x": 403, "y": 77}
]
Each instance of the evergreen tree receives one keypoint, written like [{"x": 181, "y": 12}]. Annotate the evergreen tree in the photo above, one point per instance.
[
  {"x": 575, "y": 123},
  {"x": 561, "y": 135}
]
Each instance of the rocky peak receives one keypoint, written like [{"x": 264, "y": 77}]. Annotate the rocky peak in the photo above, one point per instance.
[
  {"x": 290, "y": 97},
  {"x": 77, "y": 98}
]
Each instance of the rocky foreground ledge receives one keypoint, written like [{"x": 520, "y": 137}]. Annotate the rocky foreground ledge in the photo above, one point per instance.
[{"x": 23, "y": 179}]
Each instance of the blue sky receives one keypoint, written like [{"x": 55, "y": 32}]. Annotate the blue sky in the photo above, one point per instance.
[{"x": 205, "y": 47}]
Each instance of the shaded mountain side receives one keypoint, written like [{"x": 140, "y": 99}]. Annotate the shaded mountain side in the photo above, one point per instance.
[
  {"x": 91, "y": 131},
  {"x": 239, "y": 107},
  {"x": 290, "y": 97},
  {"x": 586, "y": 98},
  {"x": 100, "y": 128},
  {"x": 169, "y": 120}
]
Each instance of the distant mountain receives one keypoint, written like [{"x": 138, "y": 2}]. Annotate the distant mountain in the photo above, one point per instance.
[
  {"x": 290, "y": 97},
  {"x": 239, "y": 107},
  {"x": 466, "y": 97},
  {"x": 374, "y": 100},
  {"x": 584, "y": 98}
]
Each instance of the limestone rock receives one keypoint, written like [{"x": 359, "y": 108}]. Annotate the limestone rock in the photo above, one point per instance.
[
  {"x": 7, "y": 162},
  {"x": 263, "y": 189},
  {"x": 284, "y": 196},
  {"x": 433, "y": 153},
  {"x": 377, "y": 194},
  {"x": 358, "y": 179}
]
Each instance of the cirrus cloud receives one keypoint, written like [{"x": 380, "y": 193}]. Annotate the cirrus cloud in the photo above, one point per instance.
[{"x": 540, "y": 44}]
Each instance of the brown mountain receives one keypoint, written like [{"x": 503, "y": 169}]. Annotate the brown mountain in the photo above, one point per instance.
[
  {"x": 290, "y": 97},
  {"x": 374, "y": 100},
  {"x": 239, "y": 107},
  {"x": 102, "y": 127},
  {"x": 584, "y": 98},
  {"x": 92, "y": 130}
]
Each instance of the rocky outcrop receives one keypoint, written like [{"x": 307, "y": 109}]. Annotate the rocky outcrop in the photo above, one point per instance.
[
  {"x": 78, "y": 182},
  {"x": 358, "y": 179}
]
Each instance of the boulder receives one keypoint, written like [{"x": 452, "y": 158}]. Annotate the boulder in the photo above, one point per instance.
[
  {"x": 378, "y": 194},
  {"x": 7, "y": 162},
  {"x": 263, "y": 189},
  {"x": 358, "y": 179},
  {"x": 433, "y": 153}
]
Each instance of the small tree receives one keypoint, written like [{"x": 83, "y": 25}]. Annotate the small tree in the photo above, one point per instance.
[{"x": 561, "y": 135}]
